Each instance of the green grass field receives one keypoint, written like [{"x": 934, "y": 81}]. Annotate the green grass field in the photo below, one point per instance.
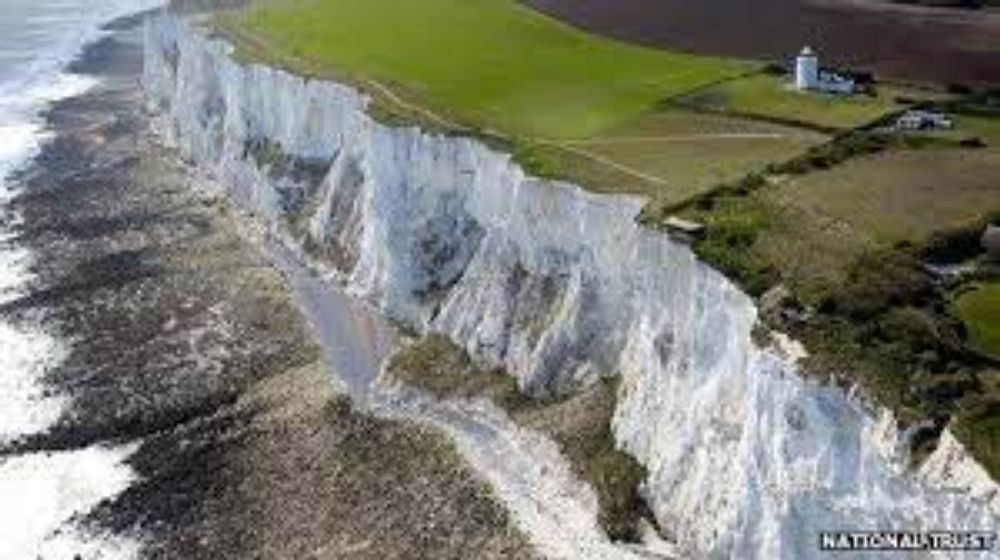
[
  {"x": 490, "y": 63},
  {"x": 770, "y": 97},
  {"x": 969, "y": 126},
  {"x": 573, "y": 105},
  {"x": 813, "y": 228},
  {"x": 678, "y": 153},
  {"x": 980, "y": 311},
  {"x": 823, "y": 221},
  {"x": 903, "y": 195}
]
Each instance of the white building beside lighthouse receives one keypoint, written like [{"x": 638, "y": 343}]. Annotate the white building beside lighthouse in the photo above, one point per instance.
[{"x": 810, "y": 77}]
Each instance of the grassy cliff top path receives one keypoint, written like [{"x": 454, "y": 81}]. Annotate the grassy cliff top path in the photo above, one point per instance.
[{"x": 492, "y": 64}]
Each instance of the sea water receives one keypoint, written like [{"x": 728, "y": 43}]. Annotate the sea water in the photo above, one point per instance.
[{"x": 43, "y": 495}]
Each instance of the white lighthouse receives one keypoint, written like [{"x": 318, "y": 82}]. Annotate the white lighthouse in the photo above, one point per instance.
[
  {"x": 807, "y": 70},
  {"x": 809, "y": 76}
]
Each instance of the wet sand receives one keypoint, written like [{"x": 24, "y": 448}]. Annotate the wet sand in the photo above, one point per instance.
[{"x": 186, "y": 343}]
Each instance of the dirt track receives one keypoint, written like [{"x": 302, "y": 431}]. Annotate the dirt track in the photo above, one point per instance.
[{"x": 948, "y": 46}]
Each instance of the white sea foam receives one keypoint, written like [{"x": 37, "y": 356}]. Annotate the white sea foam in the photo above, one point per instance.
[
  {"x": 24, "y": 407},
  {"x": 43, "y": 495},
  {"x": 17, "y": 141},
  {"x": 41, "y": 78},
  {"x": 26, "y": 352},
  {"x": 47, "y": 491}
]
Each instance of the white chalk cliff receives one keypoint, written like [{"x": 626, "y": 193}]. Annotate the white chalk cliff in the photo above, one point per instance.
[{"x": 747, "y": 459}]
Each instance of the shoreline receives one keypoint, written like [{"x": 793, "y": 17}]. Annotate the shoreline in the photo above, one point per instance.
[
  {"x": 185, "y": 345},
  {"x": 45, "y": 493}
]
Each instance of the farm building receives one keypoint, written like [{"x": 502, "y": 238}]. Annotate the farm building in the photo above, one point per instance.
[
  {"x": 923, "y": 120},
  {"x": 809, "y": 76}
]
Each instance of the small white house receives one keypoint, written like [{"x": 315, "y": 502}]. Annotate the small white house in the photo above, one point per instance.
[
  {"x": 923, "y": 120},
  {"x": 809, "y": 76}
]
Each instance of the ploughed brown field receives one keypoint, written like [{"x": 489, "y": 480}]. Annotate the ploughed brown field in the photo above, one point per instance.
[{"x": 894, "y": 41}]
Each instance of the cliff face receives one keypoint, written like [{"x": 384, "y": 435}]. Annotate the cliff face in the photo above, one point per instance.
[{"x": 560, "y": 286}]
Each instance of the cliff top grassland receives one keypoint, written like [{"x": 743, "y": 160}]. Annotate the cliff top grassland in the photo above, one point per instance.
[
  {"x": 491, "y": 63},
  {"x": 566, "y": 103},
  {"x": 612, "y": 116},
  {"x": 980, "y": 310}
]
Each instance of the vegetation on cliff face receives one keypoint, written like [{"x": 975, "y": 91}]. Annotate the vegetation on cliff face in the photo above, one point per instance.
[
  {"x": 856, "y": 233},
  {"x": 979, "y": 308},
  {"x": 579, "y": 424}
]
